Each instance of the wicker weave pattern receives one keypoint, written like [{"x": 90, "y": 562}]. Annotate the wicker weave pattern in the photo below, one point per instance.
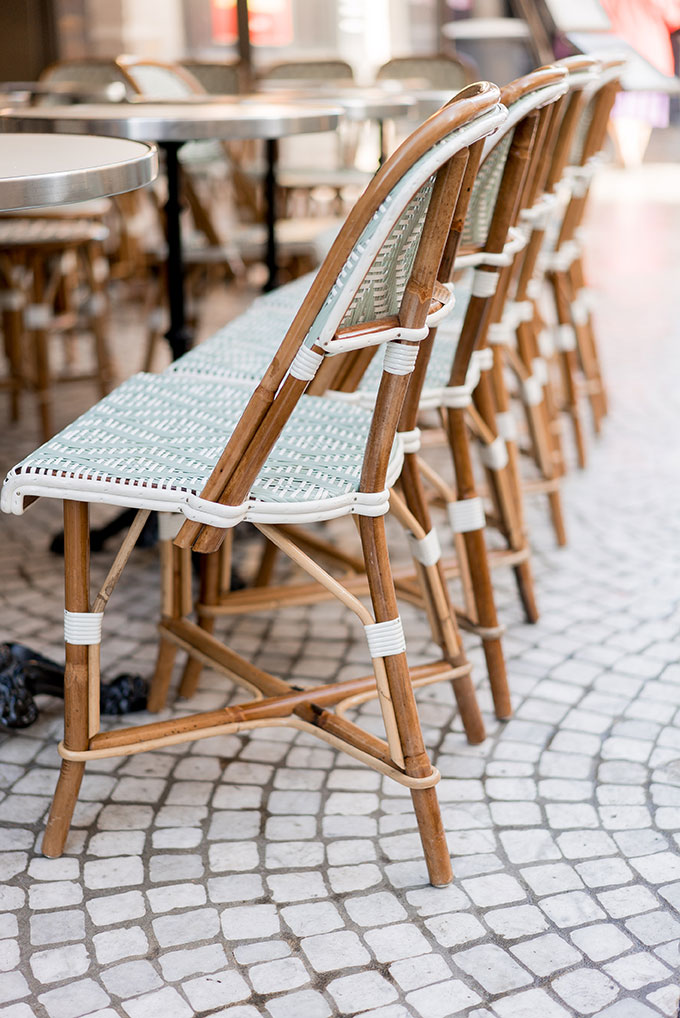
[
  {"x": 160, "y": 436},
  {"x": 484, "y": 194},
  {"x": 28, "y": 232}
]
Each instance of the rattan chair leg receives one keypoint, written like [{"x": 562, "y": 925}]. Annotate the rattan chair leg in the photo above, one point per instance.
[
  {"x": 76, "y": 678},
  {"x": 12, "y": 329},
  {"x": 569, "y": 366},
  {"x": 209, "y": 595},
  {"x": 587, "y": 348},
  {"x": 480, "y": 574},
  {"x": 416, "y": 761},
  {"x": 40, "y": 353}
]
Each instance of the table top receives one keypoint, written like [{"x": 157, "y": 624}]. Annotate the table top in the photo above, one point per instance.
[
  {"x": 178, "y": 121},
  {"x": 356, "y": 103},
  {"x": 37, "y": 170}
]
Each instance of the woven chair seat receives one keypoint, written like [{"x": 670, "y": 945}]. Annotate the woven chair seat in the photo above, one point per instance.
[
  {"x": 153, "y": 442},
  {"x": 31, "y": 232}
]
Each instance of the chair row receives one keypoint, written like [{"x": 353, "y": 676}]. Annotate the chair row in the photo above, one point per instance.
[{"x": 306, "y": 410}]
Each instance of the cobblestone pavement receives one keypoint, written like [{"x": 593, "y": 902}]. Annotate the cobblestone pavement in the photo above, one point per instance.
[{"x": 266, "y": 875}]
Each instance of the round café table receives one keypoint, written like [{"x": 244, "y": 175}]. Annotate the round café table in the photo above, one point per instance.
[
  {"x": 171, "y": 124},
  {"x": 38, "y": 170}
]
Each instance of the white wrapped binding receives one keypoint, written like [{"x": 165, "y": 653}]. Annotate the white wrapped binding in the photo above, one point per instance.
[
  {"x": 517, "y": 241},
  {"x": 38, "y": 316},
  {"x": 83, "y": 629},
  {"x": 540, "y": 370},
  {"x": 385, "y": 638},
  {"x": 484, "y": 283},
  {"x": 494, "y": 455},
  {"x": 507, "y": 426},
  {"x": 546, "y": 342},
  {"x": 305, "y": 364},
  {"x": 484, "y": 358},
  {"x": 565, "y": 338},
  {"x": 466, "y": 514},
  {"x": 100, "y": 269},
  {"x": 532, "y": 391},
  {"x": 501, "y": 334},
  {"x": 410, "y": 440},
  {"x": 169, "y": 526},
  {"x": 457, "y": 397},
  {"x": 580, "y": 310},
  {"x": 400, "y": 358},
  {"x": 68, "y": 263},
  {"x": 427, "y": 550},
  {"x": 534, "y": 289}
]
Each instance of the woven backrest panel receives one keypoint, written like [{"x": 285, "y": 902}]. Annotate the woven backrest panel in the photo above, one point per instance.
[
  {"x": 380, "y": 294},
  {"x": 159, "y": 82},
  {"x": 313, "y": 70},
  {"x": 98, "y": 73},
  {"x": 218, "y": 79},
  {"x": 436, "y": 72},
  {"x": 485, "y": 193}
]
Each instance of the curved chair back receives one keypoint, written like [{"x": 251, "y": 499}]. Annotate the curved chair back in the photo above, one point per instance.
[
  {"x": 90, "y": 72},
  {"x": 374, "y": 287},
  {"x": 436, "y": 71},
  {"x": 159, "y": 79},
  {"x": 216, "y": 77},
  {"x": 309, "y": 70}
]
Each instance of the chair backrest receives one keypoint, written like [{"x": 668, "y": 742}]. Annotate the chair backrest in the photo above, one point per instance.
[
  {"x": 216, "y": 77},
  {"x": 90, "y": 72},
  {"x": 375, "y": 286},
  {"x": 309, "y": 70},
  {"x": 436, "y": 71},
  {"x": 159, "y": 79}
]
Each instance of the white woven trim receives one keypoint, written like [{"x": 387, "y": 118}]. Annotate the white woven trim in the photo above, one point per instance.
[
  {"x": 410, "y": 440},
  {"x": 565, "y": 338},
  {"x": 68, "y": 262},
  {"x": 305, "y": 364},
  {"x": 518, "y": 311},
  {"x": 546, "y": 343},
  {"x": 507, "y": 426},
  {"x": 483, "y": 283},
  {"x": 400, "y": 358},
  {"x": 466, "y": 514},
  {"x": 11, "y": 300},
  {"x": 532, "y": 391},
  {"x": 484, "y": 358},
  {"x": 457, "y": 397},
  {"x": 427, "y": 550},
  {"x": 534, "y": 289},
  {"x": 580, "y": 310},
  {"x": 540, "y": 370},
  {"x": 38, "y": 316},
  {"x": 435, "y": 317},
  {"x": 83, "y": 629},
  {"x": 169, "y": 526},
  {"x": 562, "y": 259},
  {"x": 501, "y": 334},
  {"x": 100, "y": 269},
  {"x": 385, "y": 638},
  {"x": 495, "y": 455},
  {"x": 539, "y": 214},
  {"x": 517, "y": 241},
  {"x": 358, "y": 342}
]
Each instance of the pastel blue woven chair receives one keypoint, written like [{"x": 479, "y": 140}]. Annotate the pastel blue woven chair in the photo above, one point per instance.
[{"x": 215, "y": 454}]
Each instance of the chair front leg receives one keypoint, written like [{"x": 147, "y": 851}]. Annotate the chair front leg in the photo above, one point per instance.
[
  {"x": 76, "y": 677},
  {"x": 416, "y": 761}
]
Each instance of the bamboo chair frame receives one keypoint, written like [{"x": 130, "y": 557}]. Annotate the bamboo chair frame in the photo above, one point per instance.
[{"x": 438, "y": 154}]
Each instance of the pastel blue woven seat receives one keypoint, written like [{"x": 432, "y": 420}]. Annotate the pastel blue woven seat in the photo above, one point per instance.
[{"x": 153, "y": 442}]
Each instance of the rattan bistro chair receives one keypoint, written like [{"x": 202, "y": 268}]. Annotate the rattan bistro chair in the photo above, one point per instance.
[
  {"x": 457, "y": 368},
  {"x": 155, "y": 443}
]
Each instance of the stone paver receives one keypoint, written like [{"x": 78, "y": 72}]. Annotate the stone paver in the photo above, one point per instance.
[{"x": 263, "y": 874}]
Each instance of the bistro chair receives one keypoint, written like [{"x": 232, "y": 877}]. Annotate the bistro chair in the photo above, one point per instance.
[
  {"x": 53, "y": 278},
  {"x": 433, "y": 71},
  {"x": 218, "y": 77},
  {"x": 155, "y": 443},
  {"x": 455, "y": 384}
]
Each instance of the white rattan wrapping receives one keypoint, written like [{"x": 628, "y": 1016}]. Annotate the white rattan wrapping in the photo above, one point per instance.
[{"x": 33, "y": 231}]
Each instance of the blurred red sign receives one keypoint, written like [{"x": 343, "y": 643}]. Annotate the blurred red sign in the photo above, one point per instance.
[{"x": 270, "y": 22}]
